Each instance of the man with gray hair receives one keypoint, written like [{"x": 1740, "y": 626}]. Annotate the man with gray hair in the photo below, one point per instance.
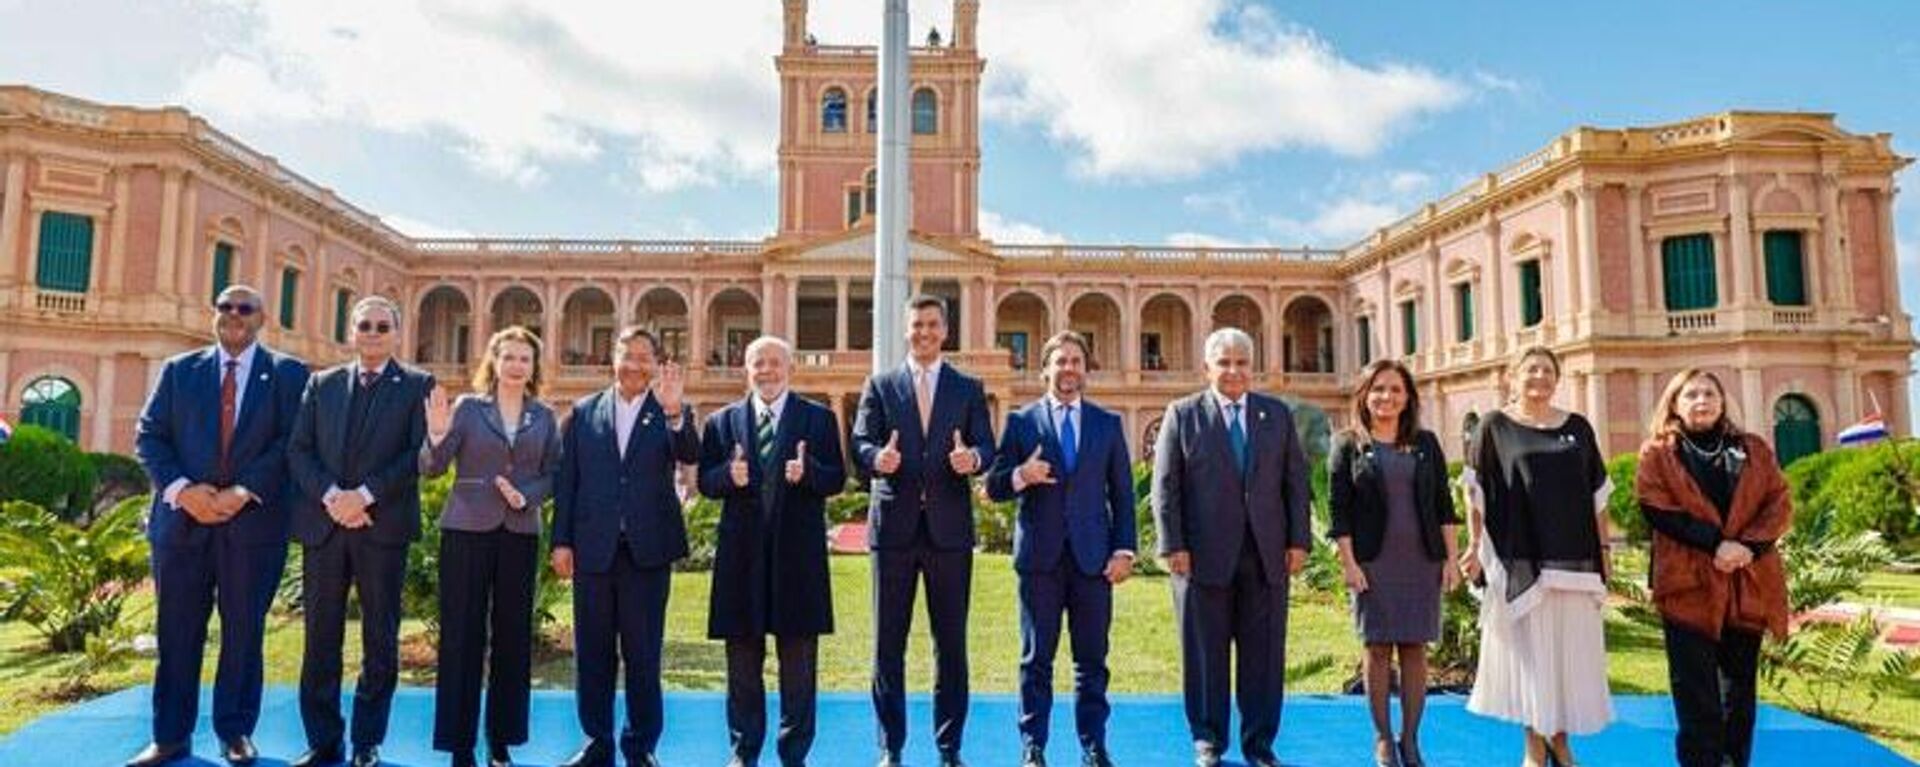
[
  {"x": 355, "y": 453},
  {"x": 1230, "y": 497},
  {"x": 772, "y": 459}
]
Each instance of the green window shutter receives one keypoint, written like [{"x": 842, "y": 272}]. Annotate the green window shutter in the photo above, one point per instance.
[
  {"x": 1365, "y": 332},
  {"x": 1410, "y": 329},
  {"x": 1687, "y": 266},
  {"x": 1463, "y": 305},
  {"x": 222, "y": 267},
  {"x": 289, "y": 295},
  {"x": 341, "y": 299},
  {"x": 1786, "y": 269},
  {"x": 66, "y": 252},
  {"x": 1532, "y": 309}
]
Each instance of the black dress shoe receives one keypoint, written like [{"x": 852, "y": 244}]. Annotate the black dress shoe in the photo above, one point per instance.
[
  {"x": 366, "y": 756},
  {"x": 155, "y": 755},
  {"x": 1033, "y": 756},
  {"x": 320, "y": 756},
  {"x": 462, "y": 758},
  {"x": 644, "y": 760},
  {"x": 498, "y": 756},
  {"x": 951, "y": 760},
  {"x": 1263, "y": 760},
  {"x": 1095, "y": 757},
  {"x": 593, "y": 753},
  {"x": 741, "y": 761},
  {"x": 239, "y": 751},
  {"x": 889, "y": 759}
]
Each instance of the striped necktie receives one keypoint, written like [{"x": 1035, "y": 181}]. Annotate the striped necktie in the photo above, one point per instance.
[{"x": 764, "y": 438}]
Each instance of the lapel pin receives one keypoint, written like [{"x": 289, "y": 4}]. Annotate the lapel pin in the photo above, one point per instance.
[
  {"x": 263, "y": 376},
  {"x": 1263, "y": 415}
]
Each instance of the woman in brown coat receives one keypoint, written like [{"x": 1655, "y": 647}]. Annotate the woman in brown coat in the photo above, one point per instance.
[{"x": 1717, "y": 504}]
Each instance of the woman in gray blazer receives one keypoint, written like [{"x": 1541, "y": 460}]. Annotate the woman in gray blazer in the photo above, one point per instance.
[{"x": 504, "y": 445}]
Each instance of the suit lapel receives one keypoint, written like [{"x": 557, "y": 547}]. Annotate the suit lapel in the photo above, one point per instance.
[
  {"x": 383, "y": 392},
  {"x": 259, "y": 375},
  {"x": 347, "y": 378},
  {"x": 1050, "y": 448},
  {"x": 1256, "y": 423},
  {"x": 605, "y": 413},
  {"x": 490, "y": 413},
  {"x": 910, "y": 404},
  {"x": 1215, "y": 426},
  {"x": 206, "y": 381}
]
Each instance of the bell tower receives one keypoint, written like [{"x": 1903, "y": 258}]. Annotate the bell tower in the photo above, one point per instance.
[{"x": 829, "y": 134}]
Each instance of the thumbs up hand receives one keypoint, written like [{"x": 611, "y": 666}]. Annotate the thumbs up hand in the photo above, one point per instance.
[
  {"x": 887, "y": 461},
  {"x": 962, "y": 458},
  {"x": 1036, "y": 470},
  {"x": 739, "y": 465},
  {"x": 797, "y": 468}
]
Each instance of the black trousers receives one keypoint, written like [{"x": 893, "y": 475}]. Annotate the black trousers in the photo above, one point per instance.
[
  {"x": 190, "y": 582},
  {"x": 619, "y": 619},
  {"x": 1087, "y": 602},
  {"x": 897, "y": 574},
  {"x": 486, "y": 626},
  {"x": 747, "y": 696},
  {"x": 1247, "y": 617},
  {"x": 350, "y": 558},
  {"x": 1713, "y": 687}
]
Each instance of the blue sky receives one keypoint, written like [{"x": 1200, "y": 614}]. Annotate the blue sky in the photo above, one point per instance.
[{"x": 1138, "y": 121}]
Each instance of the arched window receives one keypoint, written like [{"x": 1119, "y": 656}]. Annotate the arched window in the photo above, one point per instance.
[
  {"x": 833, "y": 111},
  {"x": 1796, "y": 428},
  {"x": 53, "y": 403},
  {"x": 926, "y": 112},
  {"x": 873, "y": 110}
]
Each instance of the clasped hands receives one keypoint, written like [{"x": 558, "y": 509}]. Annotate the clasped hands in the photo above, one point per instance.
[
  {"x": 211, "y": 505},
  {"x": 1731, "y": 555}
]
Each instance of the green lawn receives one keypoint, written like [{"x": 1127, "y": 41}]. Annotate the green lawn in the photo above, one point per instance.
[{"x": 1145, "y": 656}]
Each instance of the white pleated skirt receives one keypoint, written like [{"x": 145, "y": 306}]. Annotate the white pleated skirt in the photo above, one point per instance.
[{"x": 1543, "y": 657}]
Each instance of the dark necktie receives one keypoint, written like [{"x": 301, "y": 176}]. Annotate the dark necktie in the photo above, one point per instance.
[
  {"x": 765, "y": 438},
  {"x": 1069, "y": 438},
  {"x": 229, "y": 394},
  {"x": 368, "y": 378},
  {"x": 1237, "y": 435}
]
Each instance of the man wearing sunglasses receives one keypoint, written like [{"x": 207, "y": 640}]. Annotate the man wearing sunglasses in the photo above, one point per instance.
[
  {"x": 355, "y": 451},
  {"x": 213, "y": 437}
]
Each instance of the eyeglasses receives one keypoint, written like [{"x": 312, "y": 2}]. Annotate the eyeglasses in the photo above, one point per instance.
[
  {"x": 369, "y": 326},
  {"x": 242, "y": 309}
]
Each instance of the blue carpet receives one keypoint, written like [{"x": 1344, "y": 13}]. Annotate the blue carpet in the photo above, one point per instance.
[{"x": 1146, "y": 731}]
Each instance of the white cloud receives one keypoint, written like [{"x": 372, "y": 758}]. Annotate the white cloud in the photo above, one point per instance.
[
  {"x": 1335, "y": 223},
  {"x": 1231, "y": 203},
  {"x": 1170, "y": 88},
  {"x": 1409, "y": 182},
  {"x": 1003, "y": 230},
  {"x": 515, "y": 87},
  {"x": 413, "y": 227},
  {"x": 1204, "y": 240}
]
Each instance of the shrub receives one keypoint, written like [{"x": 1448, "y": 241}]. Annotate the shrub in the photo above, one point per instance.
[
  {"x": 69, "y": 582},
  {"x": 420, "y": 592},
  {"x": 118, "y": 477},
  {"x": 993, "y": 525},
  {"x": 703, "y": 534},
  {"x": 1623, "y": 507},
  {"x": 42, "y": 468},
  {"x": 1872, "y": 489}
]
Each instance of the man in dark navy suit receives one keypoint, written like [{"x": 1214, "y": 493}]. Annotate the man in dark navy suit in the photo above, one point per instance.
[
  {"x": 1230, "y": 499},
  {"x": 1066, "y": 460},
  {"x": 213, "y": 436},
  {"x": 773, "y": 459},
  {"x": 617, "y": 528},
  {"x": 922, "y": 432},
  {"x": 355, "y": 452}
]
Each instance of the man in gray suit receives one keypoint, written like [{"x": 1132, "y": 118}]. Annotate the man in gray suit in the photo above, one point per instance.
[{"x": 1230, "y": 496}]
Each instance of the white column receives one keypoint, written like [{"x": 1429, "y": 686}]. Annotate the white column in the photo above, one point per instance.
[
  {"x": 1740, "y": 225},
  {"x": 1831, "y": 257},
  {"x": 10, "y": 215},
  {"x": 1637, "y": 247},
  {"x": 840, "y": 314},
  {"x": 1755, "y": 417},
  {"x": 1598, "y": 412},
  {"x": 170, "y": 232},
  {"x": 103, "y": 408}
]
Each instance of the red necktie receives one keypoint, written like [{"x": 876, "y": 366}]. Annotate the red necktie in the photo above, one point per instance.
[{"x": 228, "y": 394}]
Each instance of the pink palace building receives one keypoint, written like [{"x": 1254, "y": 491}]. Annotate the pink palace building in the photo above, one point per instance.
[{"x": 1758, "y": 243}]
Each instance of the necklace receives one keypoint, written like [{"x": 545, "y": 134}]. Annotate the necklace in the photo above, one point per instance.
[{"x": 1719, "y": 446}]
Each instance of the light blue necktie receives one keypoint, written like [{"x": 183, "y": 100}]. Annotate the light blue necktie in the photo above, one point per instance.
[
  {"x": 1069, "y": 438},
  {"x": 1237, "y": 436}
]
